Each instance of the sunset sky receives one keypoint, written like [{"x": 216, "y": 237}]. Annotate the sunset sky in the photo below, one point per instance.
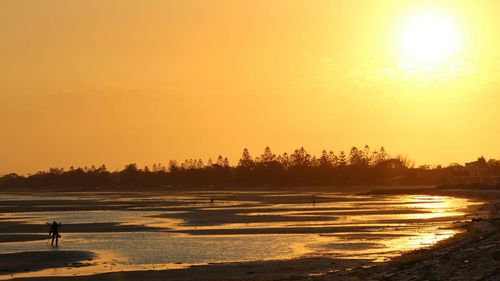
[{"x": 120, "y": 81}]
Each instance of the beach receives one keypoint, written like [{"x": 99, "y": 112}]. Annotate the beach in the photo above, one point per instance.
[{"x": 232, "y": 215}]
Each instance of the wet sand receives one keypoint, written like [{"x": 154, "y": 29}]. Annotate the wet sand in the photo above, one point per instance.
[
  {"x": 296, "y": 269},
  {"x": 8, "y": 238},
  {"x": 29, "y": 261},
  {"x": 9, "y": 226},
  {"x": 472, "y": 255}
]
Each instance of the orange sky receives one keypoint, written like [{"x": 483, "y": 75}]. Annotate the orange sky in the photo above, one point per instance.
[{"x": 119, "y": 81}]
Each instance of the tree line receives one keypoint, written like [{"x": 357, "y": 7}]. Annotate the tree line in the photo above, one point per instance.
[{"x": 299, "y": 168}]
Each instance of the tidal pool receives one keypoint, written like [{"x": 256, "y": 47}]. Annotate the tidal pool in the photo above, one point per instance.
[{"x": 178, "y": 230}]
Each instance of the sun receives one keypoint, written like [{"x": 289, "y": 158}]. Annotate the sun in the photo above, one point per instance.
[{"x": 429, "y": 38}]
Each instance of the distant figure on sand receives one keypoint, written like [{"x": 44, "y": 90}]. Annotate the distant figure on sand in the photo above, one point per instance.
[
  {"x": 211, "y": 201},
  {"x": 314, "y": 199},
  {"x": 54, "y": 232}
]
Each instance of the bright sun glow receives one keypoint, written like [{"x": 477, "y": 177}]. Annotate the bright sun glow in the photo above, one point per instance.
[{"x": 429, "y": 38}]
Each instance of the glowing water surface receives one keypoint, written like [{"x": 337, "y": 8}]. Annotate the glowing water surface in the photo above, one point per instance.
[{"x": 188, "y": 230}]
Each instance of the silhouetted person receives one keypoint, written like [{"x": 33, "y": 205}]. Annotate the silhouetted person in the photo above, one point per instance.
[
  {"x": 314, "y": 199},
  {"x": 54, "y": 232},
  {"x": 211, "y": 201}
]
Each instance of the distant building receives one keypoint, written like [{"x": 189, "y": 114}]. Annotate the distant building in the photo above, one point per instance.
[
  {"x": 478, "y": 170},
  {"x": 475, "y": 172}
]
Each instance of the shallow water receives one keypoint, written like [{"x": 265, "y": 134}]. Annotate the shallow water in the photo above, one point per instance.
[{"x": 238, "y": 227}]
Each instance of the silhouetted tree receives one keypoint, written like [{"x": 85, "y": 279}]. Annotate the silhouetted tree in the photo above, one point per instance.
[
  {"x": 325, "y": 160},
  {"x": 342, "y": 160},
  {"x": 246, "y": 160},
  {"x": 299, "y": 168}
]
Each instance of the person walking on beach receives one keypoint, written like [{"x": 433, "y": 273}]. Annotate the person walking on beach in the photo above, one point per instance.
[{"x": 54, "y": 232}]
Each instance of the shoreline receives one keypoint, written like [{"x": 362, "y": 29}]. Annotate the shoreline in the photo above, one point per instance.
[
  {"x": 482, "y": 221},
  {"x": 473, "y": 254}
]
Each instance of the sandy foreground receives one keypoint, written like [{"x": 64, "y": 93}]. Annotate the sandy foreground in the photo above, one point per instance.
[
  {"x": 471, "y": 255},
  {"x": 15, "y": 262}
]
